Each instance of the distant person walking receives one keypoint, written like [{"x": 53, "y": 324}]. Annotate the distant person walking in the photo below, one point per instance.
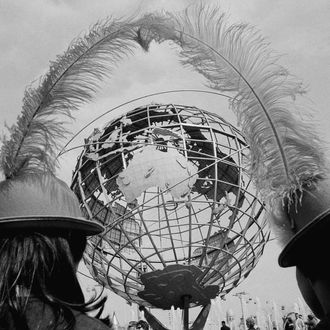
[
  {"x": 142, "y": 325},
  {"x": 299, "y": 323},
  {"x": 251, "y": 323},
  {"x": 224, "y": 326},
  {"x": 131, "y": 325},
  {"x": 289, "y": 323},
  {"x": 311, "y": 322}
]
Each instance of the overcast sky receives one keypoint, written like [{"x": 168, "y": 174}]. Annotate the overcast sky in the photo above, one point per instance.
[{"x": 33, "y": 32}]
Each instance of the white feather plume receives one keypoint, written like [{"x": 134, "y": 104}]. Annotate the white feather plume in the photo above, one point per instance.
[
  {"x": 72, "y": 79},
  {"x": 285, "y": 151}
]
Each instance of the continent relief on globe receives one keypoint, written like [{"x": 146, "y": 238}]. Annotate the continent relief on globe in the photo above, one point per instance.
[{"x": 151, "y": 167}]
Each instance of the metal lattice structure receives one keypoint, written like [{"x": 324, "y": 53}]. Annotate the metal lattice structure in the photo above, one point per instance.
[{"x": 170, "y": 184}]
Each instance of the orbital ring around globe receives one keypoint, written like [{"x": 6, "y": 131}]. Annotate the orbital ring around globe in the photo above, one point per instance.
[{"x": 170, "y": 184}]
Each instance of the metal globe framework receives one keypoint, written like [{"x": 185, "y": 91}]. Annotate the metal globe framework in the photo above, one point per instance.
[{"x": 170, "y": 184}]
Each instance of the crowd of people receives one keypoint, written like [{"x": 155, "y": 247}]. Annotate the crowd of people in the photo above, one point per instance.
[
  {"x": 295, "y": 321},
  {"x": 250, "y": 323},
  {"x": 292, "y": 321}
]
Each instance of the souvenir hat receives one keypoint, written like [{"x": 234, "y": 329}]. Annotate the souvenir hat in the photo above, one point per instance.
[{"x": 310, "y": 223}]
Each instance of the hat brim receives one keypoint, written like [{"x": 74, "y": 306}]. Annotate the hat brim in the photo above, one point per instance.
[
  {"x": 40, "y": 223},
  {"x": 308, "y": 241}
]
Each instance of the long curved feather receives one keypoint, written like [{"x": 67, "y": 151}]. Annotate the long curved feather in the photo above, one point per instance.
[
  {"x": 72, "y": 79},
  {"x": 285, "y": 151}
]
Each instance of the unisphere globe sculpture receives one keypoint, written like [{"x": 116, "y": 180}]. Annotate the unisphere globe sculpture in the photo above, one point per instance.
[{"x": 170, "y": 184}]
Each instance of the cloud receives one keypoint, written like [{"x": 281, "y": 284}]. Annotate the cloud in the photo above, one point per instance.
[{"x": 32, "y": 33}]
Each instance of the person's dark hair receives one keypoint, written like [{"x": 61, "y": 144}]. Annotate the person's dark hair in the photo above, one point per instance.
[
  {"x": 143, "y": 324},
  {"x": 131, "y": 324},
  {"x": 41, "y": 266}
]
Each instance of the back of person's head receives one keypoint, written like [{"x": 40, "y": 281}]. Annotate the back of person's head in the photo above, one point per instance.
[
  {"x": 250, "y": 322},
  {"x": 223, "y": 322},
  {"x": 142, "y": 325},
  {"x": 42, "y": 240},
  {"x": 131, "y": 325}
]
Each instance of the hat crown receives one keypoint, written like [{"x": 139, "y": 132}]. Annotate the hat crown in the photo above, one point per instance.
[
  {"x": 310, "y": 203},
  {"x": 43, "y": 195},
  {"x": 310, "y": 219}
]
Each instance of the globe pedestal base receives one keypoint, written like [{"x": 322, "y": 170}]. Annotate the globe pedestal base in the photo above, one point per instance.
[
  {"x": 186, "y": 312},
  {"x": 177, "y": 286}
]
